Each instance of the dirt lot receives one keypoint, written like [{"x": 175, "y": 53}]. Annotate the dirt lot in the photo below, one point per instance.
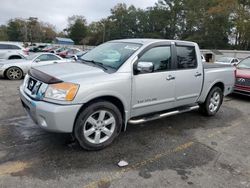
[{"x": 188, "y": 150}]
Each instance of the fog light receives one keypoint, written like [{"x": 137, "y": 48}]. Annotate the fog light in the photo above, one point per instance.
[{"x": 42, "y": 121}]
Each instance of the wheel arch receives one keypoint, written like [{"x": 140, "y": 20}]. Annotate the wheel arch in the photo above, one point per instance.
[
  {"x": 109, "y": 98},
  {"x": 17, "y": 57},
  {"x": 205, "y": 92},
  {"x": 219, "y": 85}
]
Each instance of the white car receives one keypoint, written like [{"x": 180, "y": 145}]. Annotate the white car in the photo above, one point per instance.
[
  {"x": 10, "y": 50},
  {"x": 15, "y": 69},
  {"x": 227, "y": 61}
]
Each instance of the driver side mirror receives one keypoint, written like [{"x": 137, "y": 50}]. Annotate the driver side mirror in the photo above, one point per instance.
[{"x": 144, "y": 67}]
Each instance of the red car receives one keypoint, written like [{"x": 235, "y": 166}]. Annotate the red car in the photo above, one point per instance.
[
  {"x": 71, "y": 51},
  {"x": 242, "y": 83}
]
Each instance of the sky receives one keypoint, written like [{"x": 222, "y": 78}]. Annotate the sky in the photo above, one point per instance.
[{"x": 56, "y": 12}]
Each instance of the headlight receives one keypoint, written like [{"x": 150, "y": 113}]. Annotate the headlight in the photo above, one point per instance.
[
  {"x": 25, "y": 80},
  {"x": 62, "y": 91}
]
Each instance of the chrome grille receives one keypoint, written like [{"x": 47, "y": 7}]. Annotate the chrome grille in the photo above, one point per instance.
[
  {"x": 242, "y": 81},
  {"x": 34, "y": 88}
]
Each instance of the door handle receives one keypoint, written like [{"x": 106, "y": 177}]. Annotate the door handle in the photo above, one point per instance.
[
  {"x": 170, "y": 77},
  {"x": 55, "y": 62},
  {"x": 198, "y": 74}
]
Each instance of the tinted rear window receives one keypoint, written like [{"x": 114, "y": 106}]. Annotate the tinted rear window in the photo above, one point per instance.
[
  {"x": 186, "y": 57},
  {"x": 9, "y": 47}
]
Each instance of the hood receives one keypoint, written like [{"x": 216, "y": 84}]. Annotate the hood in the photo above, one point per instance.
[
  {"x": 13, "y": 61},
  {"x": 243, "y": 73},
  {"x": 71, "y": 71}
]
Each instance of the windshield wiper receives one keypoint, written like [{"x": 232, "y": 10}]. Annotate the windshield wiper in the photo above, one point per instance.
[{"x": 96, "y": 63}]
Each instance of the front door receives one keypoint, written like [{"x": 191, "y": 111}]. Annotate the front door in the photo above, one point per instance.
[{"x": 155, "y": 91}]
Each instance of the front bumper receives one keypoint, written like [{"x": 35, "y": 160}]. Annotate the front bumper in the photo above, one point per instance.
[
  {"x": 1, "y": 72},
  {"x": 242, "y": 90},
  {"x": 51, "y": 117}
]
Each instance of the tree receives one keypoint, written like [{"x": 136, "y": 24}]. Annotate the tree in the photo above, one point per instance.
[
  {"x": 16, "y": 30},
  {"x": 77, "y": 29},
  {"x": 3, "y": 33}
]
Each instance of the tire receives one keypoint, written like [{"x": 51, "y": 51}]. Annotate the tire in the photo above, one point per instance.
[
  {"x": 213, "y": 102},
  {"x": 14, "y": 73},
  {"x": 90, "y": 129}
]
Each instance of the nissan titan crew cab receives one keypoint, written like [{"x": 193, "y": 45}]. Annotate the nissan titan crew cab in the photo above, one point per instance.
[{"x": 120, "y": 82}]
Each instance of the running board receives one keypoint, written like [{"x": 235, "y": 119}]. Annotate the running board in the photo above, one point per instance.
[{"x": 162, "y": 115}]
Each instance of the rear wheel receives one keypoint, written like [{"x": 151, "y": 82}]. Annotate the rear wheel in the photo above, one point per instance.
[
  {"x": 213, "y": 102},
  {"x": 14, "y": 73},
  {"x": 98, "y": 125}
]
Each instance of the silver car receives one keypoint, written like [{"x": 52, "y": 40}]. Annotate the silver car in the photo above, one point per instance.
[
  {"x": 227, "y": 61},
  {"x": 15, "y": 69}
]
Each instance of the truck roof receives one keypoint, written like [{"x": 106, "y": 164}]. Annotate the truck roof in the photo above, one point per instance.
[{"x": 148, "y": 41}]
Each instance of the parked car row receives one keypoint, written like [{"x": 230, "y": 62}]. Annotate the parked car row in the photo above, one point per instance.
[{"x": 64, "y": 52}]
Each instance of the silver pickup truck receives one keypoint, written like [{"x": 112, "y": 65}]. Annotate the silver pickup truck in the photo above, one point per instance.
[{"x": 120, "y": 82}]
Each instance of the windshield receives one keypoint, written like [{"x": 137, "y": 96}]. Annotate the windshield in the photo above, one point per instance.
[
  {"x": 111, "y": 54},
  {"x": 244, "y": 64},
  {"x": 225, "y": 59}
]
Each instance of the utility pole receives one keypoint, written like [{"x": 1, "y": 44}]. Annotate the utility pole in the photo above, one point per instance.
[{"x": 104, "y": 32}]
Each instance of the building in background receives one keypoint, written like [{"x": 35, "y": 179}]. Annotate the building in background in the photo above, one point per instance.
[{"x": 63, "y": 41}]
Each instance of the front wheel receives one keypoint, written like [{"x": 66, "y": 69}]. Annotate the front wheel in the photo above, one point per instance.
[
  {"x": 213, "y": 102},
  {"x": 98, "y": 125}
]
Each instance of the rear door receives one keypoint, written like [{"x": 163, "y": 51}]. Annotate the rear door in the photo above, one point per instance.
[
  {"x": 152, "y": 92},
  {"x": 4, "y": 50},
  {"x": 189, "y": 73}
]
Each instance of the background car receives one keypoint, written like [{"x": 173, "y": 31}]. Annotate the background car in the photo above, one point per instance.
[
  {"x": 242, "y": 82},
  {"x": 227, "y": 61},
  {"x": 59, "y": 50},
  {"x": 38, "y": 48},
  {"x": 16, "y": 69},
  {"x": 68, "y": 52},
  {"x": 49, "y": 48},
  {"x": 12, "y": 51}
]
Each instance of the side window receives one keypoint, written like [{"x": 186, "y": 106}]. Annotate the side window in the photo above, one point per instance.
[
  {"x": 186, "y": 57},
  {"x": 5, "y": 47},
  {"x": 2, "y": 46},
  {"x": 42, "y": 57},
  {"x": 52, "y": 57},
  {"x": 160, "y": 56},
  {"x": 14, "y": 47},
  {"x": 47, "y": 57}
]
